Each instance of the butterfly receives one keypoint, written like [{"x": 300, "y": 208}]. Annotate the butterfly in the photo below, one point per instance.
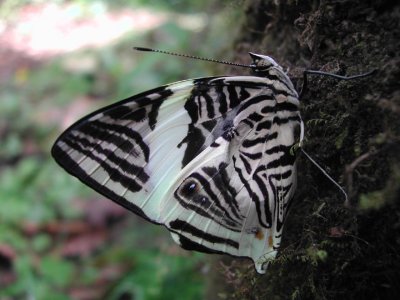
[{"x": 210, "y": 158}]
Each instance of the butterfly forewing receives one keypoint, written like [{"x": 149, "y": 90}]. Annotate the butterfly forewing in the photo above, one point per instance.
[{"x": 208, "y": 158}]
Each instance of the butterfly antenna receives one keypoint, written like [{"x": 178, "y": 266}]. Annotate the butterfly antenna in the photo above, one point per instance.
[
  {"x": 192, "y": 57},
  {"x": 326, "y": 174}
]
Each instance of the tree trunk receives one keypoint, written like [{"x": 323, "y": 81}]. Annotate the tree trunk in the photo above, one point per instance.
[{"x": 334, "y": 249}]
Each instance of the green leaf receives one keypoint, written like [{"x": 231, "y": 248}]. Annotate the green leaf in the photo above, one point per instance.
[
  {"x": 41, "y": 242},
  {"x": 56, "y": 271}
]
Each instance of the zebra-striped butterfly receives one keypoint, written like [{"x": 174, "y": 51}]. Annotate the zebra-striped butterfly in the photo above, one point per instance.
[{"x": 210, "y": 159}]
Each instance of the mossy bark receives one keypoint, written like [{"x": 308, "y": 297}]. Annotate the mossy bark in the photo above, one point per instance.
[{"x": 331, "y": 250}]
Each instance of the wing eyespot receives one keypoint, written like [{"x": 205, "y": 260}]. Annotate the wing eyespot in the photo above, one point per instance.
[
  {"x": 190, "y": 192},
  {"x": 189, "y": 188},
  {"x": 203, "y": 200},
  {"x": 256, "y": 231}
]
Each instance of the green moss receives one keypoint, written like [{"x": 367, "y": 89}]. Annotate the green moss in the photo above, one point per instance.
[
  {"x": 388, "y": 195},
  {"x": 372, "y": 200},
  {"x": 340, "y": 139}
]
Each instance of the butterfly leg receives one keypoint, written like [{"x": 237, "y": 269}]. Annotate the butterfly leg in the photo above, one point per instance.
[{"x": 340, "y": 77}]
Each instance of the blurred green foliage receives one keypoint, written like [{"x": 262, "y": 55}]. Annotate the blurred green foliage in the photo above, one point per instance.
[{"x": 34, "y": 191}]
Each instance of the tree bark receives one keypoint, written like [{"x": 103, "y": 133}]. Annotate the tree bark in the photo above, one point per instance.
[{"x": 332, "y": 249}]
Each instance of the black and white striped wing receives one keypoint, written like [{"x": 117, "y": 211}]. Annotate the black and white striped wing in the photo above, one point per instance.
[{"x": 208, "y": 158}]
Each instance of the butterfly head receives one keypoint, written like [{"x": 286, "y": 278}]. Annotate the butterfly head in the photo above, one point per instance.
[{"x": 262, "y": 63}]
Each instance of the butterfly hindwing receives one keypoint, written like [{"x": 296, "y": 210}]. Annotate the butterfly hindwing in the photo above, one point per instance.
[
  {"x": 208, "y": 158},
  {"x": 234, "y": 194}
]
